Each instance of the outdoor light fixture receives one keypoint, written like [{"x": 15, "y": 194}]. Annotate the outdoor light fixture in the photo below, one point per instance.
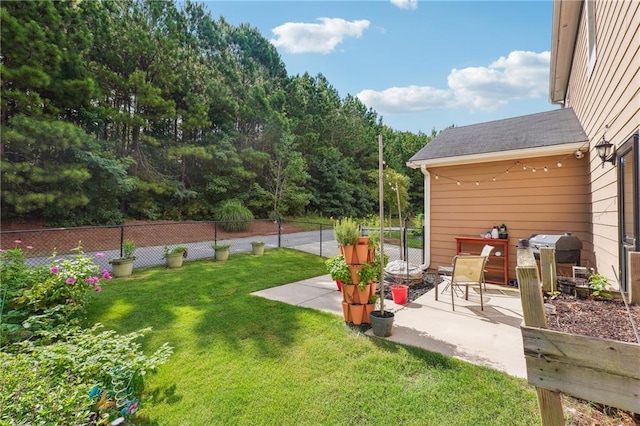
[{"x": 604, "y": 152}]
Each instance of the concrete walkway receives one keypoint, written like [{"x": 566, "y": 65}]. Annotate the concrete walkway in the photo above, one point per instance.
[{"x": 489, "y": 338}]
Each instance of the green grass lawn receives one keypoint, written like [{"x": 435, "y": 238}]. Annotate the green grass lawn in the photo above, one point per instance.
[{"x": 242, "y": 359}]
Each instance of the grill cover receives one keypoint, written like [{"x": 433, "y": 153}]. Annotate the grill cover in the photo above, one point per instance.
[{"x": 567, "y": 246}]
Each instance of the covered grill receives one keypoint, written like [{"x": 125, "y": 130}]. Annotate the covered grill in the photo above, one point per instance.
[{"x": 567, "y": 246}]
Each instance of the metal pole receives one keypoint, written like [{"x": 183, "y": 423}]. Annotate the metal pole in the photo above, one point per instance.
[
  {"x": 320, "y": 239},
  {"x": 406, "y": 242},
  {"x": 121, "y": 241},
  {"x": 424, "y": 239},
  {"x": 279, "y": 232}
]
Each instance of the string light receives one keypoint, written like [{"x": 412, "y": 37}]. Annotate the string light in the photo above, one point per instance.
[{"x": 517, "y": 163}]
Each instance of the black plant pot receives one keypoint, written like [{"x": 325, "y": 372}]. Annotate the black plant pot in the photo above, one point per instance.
[
  {"x": 382, "y": 325},
  {"x": 567, "y": 287}
]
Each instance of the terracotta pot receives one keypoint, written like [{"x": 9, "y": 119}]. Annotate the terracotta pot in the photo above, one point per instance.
[
  {"x": 347, "y": 292},
  {"x": 362, "y": 250},
  {"x": 374, "y": 289},
  {"x": 349, "y": 253},
  {"x": 362, "y": 296},
  {"x": 346, "y": 313},
  {"x": 356, "y": 313},
  {"x": 354, "y": 273},
  {"x": 368, "y": 308}
]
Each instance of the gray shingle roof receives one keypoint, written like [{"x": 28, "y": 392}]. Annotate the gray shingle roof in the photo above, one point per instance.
[{"x": 543, "y": 129}]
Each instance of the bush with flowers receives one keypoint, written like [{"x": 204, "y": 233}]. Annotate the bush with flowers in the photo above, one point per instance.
[
  {"x": 53, "y": 371},
  {"x": 36, "y": 298}
]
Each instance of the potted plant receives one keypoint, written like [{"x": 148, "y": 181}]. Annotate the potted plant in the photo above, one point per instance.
[
  {"x": 174, "y": 256},
  {"x": 366, "y": 275},
  {"x": 123, "y": 266},
  {"x": 338, "y": 270},
  {"x": 221, "y": 251},
  {"x": 347, "y": 233},
  {"x": 257, "y": 248}
]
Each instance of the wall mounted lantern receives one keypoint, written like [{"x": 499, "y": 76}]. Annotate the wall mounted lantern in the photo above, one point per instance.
[{"x": 605, "y": 153}]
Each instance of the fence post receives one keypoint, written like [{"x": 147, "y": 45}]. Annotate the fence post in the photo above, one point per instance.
[
  {"x": 406, "y": 243},
  {"x": 548, "y": 268},
  {"x": 279, "y": 232},
  {"x": 320, "y": 239},
  {"x": 549, "y": 402},
  {"x": 215, "y": 233},
  {"x": 121, "y": 240}
]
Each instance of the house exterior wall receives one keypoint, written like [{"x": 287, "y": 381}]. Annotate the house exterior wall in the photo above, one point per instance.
[
  {"x": 552, "y": 202},
  {"x": 607, "y": 102}
]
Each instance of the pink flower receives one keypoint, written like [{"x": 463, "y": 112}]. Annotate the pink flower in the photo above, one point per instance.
[
  {"x": 90, "y": 280},
  {"x": 106, "y": 275},
  {"x": 71, "y": 280},
  {"x": 1, "y": 250},
  {"x": 29, "y": 247},
  {"x": 55, "y": 270},
  {"x": 98, "y": 288},
  {"x": 17, "y": 241},
  {"x": 99, "y": 254}
]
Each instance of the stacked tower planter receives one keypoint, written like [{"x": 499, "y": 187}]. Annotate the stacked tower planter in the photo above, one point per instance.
[{"x": 355, "y": 298}]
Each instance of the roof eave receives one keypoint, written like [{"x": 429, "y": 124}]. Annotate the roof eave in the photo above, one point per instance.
[
  {"x": 564, "y": 32},
  {"x": 488, "y": 157}
]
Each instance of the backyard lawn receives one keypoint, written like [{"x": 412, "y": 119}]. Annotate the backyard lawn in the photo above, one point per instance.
[{"x": 242, "y": 359}]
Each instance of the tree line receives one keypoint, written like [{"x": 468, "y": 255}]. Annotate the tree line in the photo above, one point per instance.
[{"x": 155, "y": 110}]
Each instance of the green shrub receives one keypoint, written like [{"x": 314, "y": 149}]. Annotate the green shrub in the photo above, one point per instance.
[
  {"x": 52, "y": 384},
  {"x": 42, "y": 298},
  {"x": 234, "y": 216}
]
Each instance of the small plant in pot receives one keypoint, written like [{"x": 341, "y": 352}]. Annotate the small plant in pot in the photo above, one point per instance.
[
  {"x": 339, "y": 270},
  {"x": 347, "y": 233},
  {"x": 221, "y": 251},
  {"x": 257, "y": 248},
  {"x": 174, "y": 256},
  {"x": 123, "y": 266}
]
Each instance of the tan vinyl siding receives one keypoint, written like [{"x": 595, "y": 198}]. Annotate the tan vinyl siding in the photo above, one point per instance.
[
  {"x": 552, "y": 202},
  {"x": 608, "y": 97}
]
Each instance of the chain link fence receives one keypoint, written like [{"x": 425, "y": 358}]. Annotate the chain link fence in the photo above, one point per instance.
[{"x": 197, "y": 236}]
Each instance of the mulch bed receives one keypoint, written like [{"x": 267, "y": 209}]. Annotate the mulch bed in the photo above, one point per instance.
[{"x": 604, "y": 319}]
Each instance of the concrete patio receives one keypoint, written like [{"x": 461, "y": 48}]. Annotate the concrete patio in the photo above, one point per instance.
[{"x": 489, "y": 338}]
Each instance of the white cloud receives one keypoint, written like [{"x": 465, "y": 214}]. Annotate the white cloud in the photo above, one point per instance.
[
  {"x": 405, "y": 99},
  {"x": 519, "y": 75},
  {"x": 405, "y": 4},
  {"x": 301, "y": 37}
]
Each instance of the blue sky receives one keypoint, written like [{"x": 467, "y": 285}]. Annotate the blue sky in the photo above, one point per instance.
[{"x": 421, "y": 65}]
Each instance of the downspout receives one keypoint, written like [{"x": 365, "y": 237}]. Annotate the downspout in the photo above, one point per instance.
[{"x": 427, "y": 216}]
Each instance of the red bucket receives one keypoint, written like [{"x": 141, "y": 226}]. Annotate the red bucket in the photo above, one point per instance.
[{"x": 399, "y": 292}]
